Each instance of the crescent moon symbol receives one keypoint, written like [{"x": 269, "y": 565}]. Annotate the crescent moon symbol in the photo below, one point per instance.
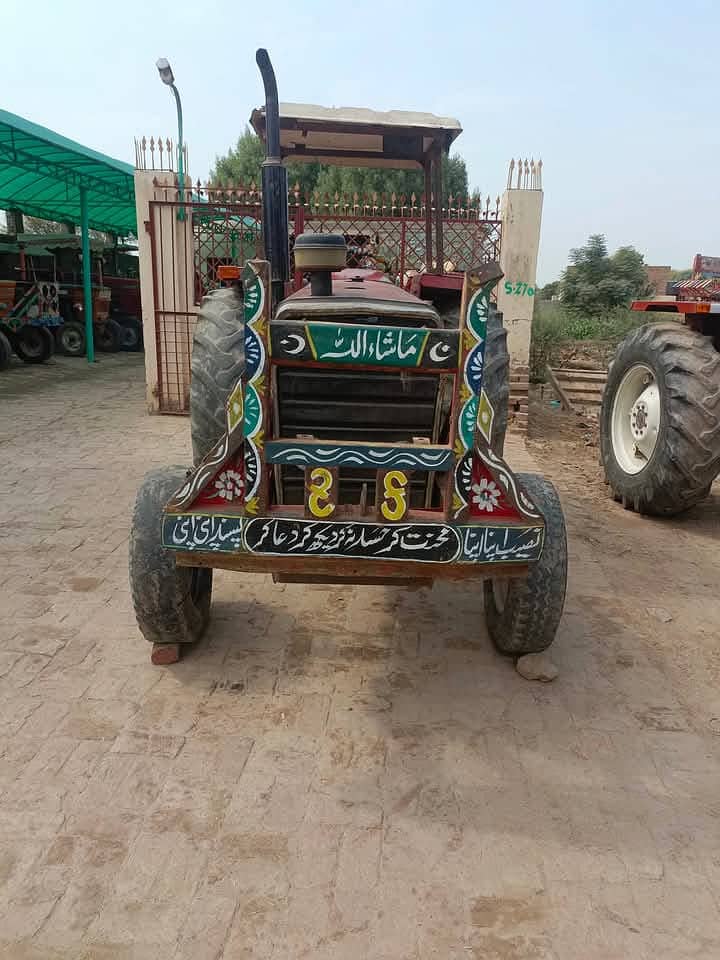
[
  {"x": 435, "y": 353},
  {"x": 300, "y": 341}
]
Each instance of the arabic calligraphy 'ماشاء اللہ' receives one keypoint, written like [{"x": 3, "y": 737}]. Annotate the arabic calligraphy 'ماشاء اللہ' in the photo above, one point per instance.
[{"x": 396, "y": 346}]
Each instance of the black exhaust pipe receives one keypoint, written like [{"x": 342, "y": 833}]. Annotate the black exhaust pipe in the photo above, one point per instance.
[{"x": 274, "y": 186}]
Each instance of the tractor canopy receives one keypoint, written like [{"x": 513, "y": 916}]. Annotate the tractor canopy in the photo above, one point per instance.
[{"x": 358, "y": 137}]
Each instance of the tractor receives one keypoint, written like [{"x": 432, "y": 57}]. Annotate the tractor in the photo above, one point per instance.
[
  {"x": 347, "y": 431},
  {"x": 660, "y": 413},
  {"x": 29, "y": 313}
]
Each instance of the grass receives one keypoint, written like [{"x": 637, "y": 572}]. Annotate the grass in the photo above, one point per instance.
[{"x": 554, "y": 325}]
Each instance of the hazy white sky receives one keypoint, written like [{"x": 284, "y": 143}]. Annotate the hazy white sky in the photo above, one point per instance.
[{"x": 619, "y": 99}]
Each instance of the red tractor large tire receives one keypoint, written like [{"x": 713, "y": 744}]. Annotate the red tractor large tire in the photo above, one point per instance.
[{"x": 660, "y": 419}]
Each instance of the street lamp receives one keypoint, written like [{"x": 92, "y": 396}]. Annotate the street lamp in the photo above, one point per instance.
[{"x": 167, "y": 77}]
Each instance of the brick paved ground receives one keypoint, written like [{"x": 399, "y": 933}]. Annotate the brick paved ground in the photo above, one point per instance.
[{"x": 345, "y": 773}]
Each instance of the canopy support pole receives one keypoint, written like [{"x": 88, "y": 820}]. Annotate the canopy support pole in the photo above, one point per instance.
[
  {"x": 428, "y": 217},
  {"x": 438, "y": 185},
  {"x": 87, "y": 276}
]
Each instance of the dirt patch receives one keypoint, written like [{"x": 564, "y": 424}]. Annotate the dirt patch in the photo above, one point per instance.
[{"x": 566, "y": 444}]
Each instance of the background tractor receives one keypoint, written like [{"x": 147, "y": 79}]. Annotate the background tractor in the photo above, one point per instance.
[
  {"x": 29, "y": 315},
  {"x": 660, "y": 414},
  {"x": 344, "y": 430}
]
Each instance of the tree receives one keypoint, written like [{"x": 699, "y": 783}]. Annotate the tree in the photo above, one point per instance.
[
  {"x": 549, "y": 291},
  {"x": 368, "y": 180},
  {"x": 242, "y": 165},
  {"x": 595, "y": 282},
  {"x": 676, "y": 275},
  {"x": 37, "y": 225}
]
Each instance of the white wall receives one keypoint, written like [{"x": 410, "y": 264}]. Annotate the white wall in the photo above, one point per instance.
[
  {"x": 174, "y": 285},
  {"x": 144, "y": 193},
  {"x": 521, "y": 212}
]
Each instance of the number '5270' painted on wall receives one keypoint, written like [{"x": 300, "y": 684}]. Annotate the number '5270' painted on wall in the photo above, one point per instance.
[{"x": 519, "y": 289}]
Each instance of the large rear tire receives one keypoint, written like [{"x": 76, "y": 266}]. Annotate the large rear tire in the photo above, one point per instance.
[
  {"x": 496, "y": 373},
  {"x": 523, "y": 616},
  {"x": 496, "y": 378},
  {"x": 660, "y": 419},
  {"x": 172, "y": 603},
  {"x": 218, "y": 361}
]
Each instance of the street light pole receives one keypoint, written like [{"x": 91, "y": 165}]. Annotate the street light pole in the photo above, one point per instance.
[{"x": 166, "y": 75}]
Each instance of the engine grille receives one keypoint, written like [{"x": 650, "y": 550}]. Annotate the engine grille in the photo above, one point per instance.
[{"x": 370, "y": 406}]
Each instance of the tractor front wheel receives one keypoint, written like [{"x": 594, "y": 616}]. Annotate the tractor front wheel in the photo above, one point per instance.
[
  {"x": 5, "y": 351},
  {"x": 523, "y": 615},
  {"x": 660, "y": 419},
  {"x": 34, "y": 344},
  {"x": 172, "y": 603},
  {"x": 130, "y": 334},
  {"x": 108, "y": 336},
  {"x": 71, "y": 339}
]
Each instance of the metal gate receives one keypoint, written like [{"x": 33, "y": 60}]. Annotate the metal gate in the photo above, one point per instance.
[{"x": 190, "y": 239}]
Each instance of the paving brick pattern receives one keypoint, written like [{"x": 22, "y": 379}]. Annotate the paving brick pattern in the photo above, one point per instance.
[{"x": 336, "y": 772}]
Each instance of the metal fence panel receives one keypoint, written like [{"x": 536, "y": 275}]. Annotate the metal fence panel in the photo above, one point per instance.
[{"x": 214, "y": 226}]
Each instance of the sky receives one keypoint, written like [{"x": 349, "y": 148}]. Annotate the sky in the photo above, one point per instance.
[{"x": 618, "y": 99}]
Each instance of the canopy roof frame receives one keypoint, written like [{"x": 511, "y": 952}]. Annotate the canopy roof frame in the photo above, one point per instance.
[
  {"x": 43, "y": 173},
  {"x": 360, "y": 137},
  {"x": 46, "y": 175},
  {"x": 356, "y": 136}
]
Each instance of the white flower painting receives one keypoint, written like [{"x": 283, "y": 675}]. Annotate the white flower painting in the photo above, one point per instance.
[
  {"x": 229, "y": 485},
  {"x": 486, "y": 494}
]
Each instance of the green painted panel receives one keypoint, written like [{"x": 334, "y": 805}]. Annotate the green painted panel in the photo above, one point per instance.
[{"x": 377, "y": 346}]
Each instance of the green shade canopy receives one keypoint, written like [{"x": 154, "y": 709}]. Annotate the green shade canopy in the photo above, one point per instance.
[{"x": 41, "y": 174}]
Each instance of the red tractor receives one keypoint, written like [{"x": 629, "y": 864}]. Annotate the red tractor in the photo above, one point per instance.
[
  {"x": 660, "y": 415},
  {"x": 347, "y": 431}
]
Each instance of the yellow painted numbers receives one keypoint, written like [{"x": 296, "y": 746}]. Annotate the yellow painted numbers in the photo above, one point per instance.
[
  {"x": 321, "y": 495},
  {"x": 394, "y": 503}
]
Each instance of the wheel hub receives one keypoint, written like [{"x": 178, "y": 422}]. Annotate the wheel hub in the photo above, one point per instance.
[
  {"x": 639, "y": 419},
  {"x": 635, "y": 419}
]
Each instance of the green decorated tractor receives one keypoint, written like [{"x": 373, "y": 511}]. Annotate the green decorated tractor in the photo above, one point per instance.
[
  {"x": 29, "y": 316},
  {"x": 346, "y": 431}
]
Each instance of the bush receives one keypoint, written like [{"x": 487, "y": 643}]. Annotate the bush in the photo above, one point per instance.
[{"x": 554, "y": 324}]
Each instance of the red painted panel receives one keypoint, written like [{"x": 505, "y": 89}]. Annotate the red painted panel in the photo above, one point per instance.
[
  {"x": 488, "y": 499},
  {"x": 227, "y": 487},
  {"x": 364, "y": 284}
]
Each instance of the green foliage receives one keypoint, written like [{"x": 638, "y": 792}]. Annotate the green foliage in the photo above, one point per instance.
[
  {"x": 594, "y": 282},
  {"x": 242, "y": 165},
  {"x": 676, "y": 275},
  {"x": 554, "y": 324},
  {"x": 549, "y": 291}
]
